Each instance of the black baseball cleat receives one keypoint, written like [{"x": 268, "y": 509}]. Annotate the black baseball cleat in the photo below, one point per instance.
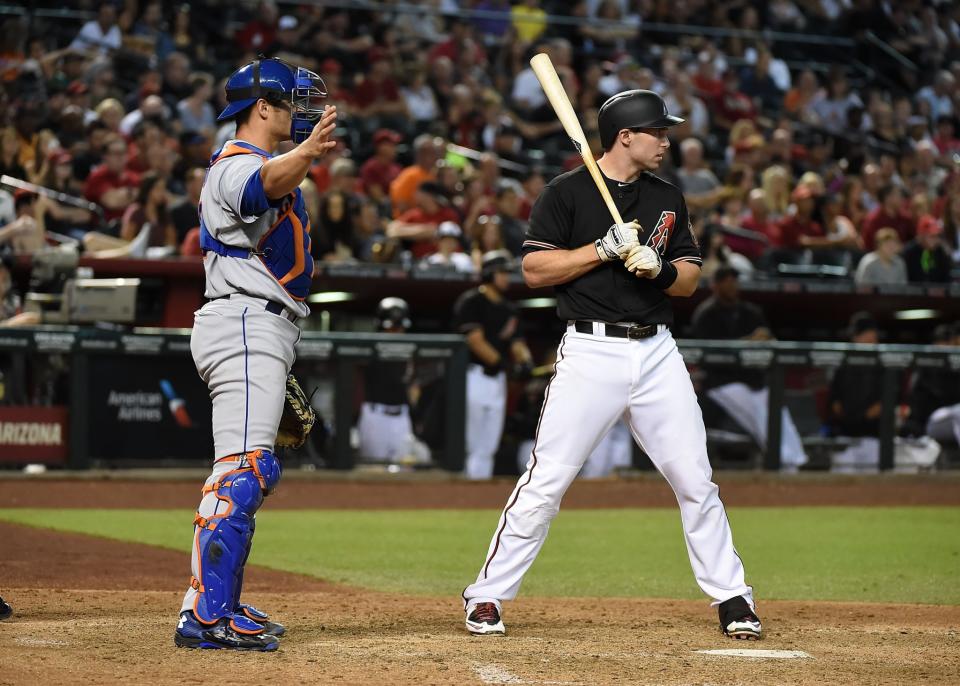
[
  {"x": 738, "y": 620},
  {"x": 5, "y": 610},
  {"x": 483, "y": 619},
  {"x": 229, "y": 633},
  {"x": 263, "y": 619}
]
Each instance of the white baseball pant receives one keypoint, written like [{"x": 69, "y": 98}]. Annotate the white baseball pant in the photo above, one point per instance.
[{"x": 598, "y": 380}]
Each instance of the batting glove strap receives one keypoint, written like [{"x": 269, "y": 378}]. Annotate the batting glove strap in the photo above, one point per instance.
[
  {"x": 602, "y": 252},
  {"x": 618, "y": 241}
]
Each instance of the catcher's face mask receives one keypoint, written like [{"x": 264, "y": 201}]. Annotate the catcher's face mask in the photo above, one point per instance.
[{"x": 306, "y": 98}]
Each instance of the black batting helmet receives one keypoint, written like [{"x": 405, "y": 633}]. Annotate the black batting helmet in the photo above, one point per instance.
[
  {"x": 493, "y": 262},
  {"x": 392, "y": 313},
  {"x": 636, "y": 109}
]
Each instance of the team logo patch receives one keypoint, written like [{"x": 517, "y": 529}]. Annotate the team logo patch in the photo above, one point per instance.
[{"x": 661, "y": 234}]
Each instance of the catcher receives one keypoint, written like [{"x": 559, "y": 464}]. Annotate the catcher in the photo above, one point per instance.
[{"x": 255, "y": 236}]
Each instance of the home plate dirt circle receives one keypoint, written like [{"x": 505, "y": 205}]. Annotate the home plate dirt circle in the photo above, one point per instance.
[{"x": 758, "y": 654}]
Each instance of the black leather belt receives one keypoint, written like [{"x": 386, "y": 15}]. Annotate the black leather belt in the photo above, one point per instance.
[
  {"x": 633, "y": 332},
  {"x": 271, "y": 307}
]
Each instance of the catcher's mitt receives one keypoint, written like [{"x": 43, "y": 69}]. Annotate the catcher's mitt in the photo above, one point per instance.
[{"x": 298, "y": 416}]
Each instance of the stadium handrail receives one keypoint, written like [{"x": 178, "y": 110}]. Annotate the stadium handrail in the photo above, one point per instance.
[
  {"x": 350, "y": 348},
  {"x": 58, "y": 13},
  {"x": 890, "y": 51},
  {"x": 569, "y": 20}
]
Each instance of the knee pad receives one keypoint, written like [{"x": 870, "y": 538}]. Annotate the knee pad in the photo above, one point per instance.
[
  {"x": 267, "y": 469},
  {"x": 223, "y": 540}
]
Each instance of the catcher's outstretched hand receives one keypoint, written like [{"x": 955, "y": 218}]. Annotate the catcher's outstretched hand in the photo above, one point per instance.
[
  {"x": 298, "y": 416},
  {"x": 318, "y": 143}
]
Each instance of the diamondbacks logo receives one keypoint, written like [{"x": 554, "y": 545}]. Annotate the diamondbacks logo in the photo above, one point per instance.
[{"x": 661, "y": 234}]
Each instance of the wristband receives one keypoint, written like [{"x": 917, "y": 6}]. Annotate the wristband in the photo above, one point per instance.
[
  {"x": 602, "y": 251},
  {"x": 668, "y": 274}
]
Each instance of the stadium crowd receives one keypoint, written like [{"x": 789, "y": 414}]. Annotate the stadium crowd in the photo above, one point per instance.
[
  {"x": 794, "y": 154},
  {"x": 821, "y": 136}
]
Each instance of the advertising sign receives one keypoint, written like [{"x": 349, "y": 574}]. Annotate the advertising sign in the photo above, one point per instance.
[
  {"x": 33, "y": 434},
  {"x": 148, "y": 408}
]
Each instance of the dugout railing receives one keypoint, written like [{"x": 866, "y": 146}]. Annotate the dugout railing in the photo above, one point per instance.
[
  {"x": 889, "y": 361},
  {"x": 96, "y": 357}
]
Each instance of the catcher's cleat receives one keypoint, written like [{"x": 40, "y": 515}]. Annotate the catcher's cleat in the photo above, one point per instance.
[
  {"x": 229, "y": 633},
  {"x": 5, "y": 610},
  {"x": 738, "y": 620},
  {"x": 263, "y": 619},
  {"x": 483, "y": 619}
]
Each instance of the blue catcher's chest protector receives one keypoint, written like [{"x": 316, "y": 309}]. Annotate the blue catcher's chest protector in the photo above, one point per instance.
[{"x": 285, "y": 248}]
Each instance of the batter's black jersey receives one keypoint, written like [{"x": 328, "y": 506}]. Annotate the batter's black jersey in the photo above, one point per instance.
[
  {"x": 571, "y": 213},
  {"x": 499, "y": 320}
]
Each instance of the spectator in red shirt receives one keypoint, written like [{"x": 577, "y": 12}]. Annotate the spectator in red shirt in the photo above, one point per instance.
[
  {"x": 460, "y": 41},
  {"x": 794, "y": 228},
  {"x": 708, "y": 85},
  {"x": 379, "y": 171},
  {"x": 732, "y": 105},
  {"x": 145, "y": 135},
  {"x": 109, "y": 184},
  {"x": 378, "y": 95},
  {"x": 417, "y": 227},
  {"x": 758, "y": 220},
  {"x": 888, "y": 212},
  {"x": 946, "y": 138},
  {"x": 261, "y": 32}
]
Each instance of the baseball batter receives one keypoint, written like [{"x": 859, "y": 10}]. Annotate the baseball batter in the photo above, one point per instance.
[
  {"x": 617, "y": 359},
  {"x": 255, "y": 235}
]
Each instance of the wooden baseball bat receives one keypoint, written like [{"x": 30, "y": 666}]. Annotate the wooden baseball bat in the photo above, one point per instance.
[{"x": 553, "y": 89}]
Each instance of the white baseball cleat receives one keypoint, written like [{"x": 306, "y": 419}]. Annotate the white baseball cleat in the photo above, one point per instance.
[
  {"x": 483, "y": 619},
  {"x": 746, "y": 628}
]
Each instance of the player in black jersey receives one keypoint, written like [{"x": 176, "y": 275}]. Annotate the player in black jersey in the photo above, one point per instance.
[
  {"x": 385, "y": 429},
  {"x": 492, "y": 326},
  {"x": 617, "y": 359}
]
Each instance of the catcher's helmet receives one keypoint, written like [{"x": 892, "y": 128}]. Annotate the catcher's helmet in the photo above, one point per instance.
[
  {"x": 635, "y": 109},
  {"x": 494, "y": 261},
  {"x": 277, "y": 82},
  {"x": 393, "y": 312}
]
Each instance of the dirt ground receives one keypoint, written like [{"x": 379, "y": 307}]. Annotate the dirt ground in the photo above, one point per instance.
[{"x": 93, "y": 611}]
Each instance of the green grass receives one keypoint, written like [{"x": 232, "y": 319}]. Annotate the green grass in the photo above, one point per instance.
[{"x": 903, "y": 554}]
